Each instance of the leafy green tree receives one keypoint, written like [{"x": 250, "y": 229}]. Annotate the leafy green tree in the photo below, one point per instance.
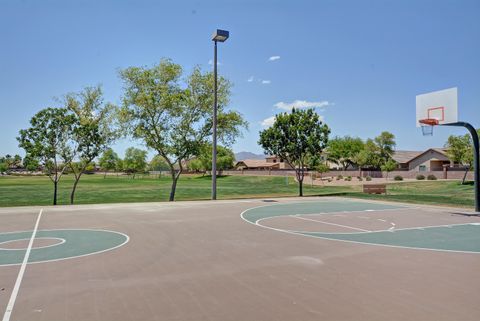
[
  {"x": 322, "y": 168},
  {"x": 386, "y": 145},
  {"x": 376, "y": 152},
  {"x": 343, "y": 150},
  {"x": 295, "y": 137},
  {"x": 135, "y": 160},
  {"x": 172, "y": 120},
  {"x": 389, "y": 166},
  {"x": 108, "y": 161},
  {"x": 158, "y": 164},
  {"x": 225, "y": 158},
  {"x": 12, "y": 161},
  {"x": 460, "y": 150},
  {"x": 195, "y": 165},
  {"x": 369, "y": 157},
  {"x": 94, "y": 131},
  {"x": 458, "y": 147},
  {"x": 30, "y": 163},
  {"x": 119, "y": 166},
  {"x": 7, "y": 160},
  {"x": 50, "y": 140},
  {"x": 17, "y": 161},
  {"x": 3, "y": 167}
]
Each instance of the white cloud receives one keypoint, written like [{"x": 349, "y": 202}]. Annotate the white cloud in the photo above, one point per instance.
[
  {"x": 298, "y": 104},
  {"x": 267, "y": 122},
  {"x": 266, "y": 82},
  {"x": 250, "y": 79},
  {"x": 210, "y": 62},
  {"x": 273, "y": 58}
]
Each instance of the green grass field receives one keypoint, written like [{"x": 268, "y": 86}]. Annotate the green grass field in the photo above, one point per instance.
[
  {"x": 20, "y": 191},
  {"x": 449, "y": 193}
]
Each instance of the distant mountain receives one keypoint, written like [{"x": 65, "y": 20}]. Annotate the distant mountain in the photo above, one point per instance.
[{"x": 247, "y": 155}]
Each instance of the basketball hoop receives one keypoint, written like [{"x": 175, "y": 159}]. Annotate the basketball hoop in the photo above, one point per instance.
[{"x": 427, "y": 125}]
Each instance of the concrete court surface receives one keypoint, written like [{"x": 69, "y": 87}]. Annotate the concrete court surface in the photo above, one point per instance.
[{"x": 204, "y": 261}]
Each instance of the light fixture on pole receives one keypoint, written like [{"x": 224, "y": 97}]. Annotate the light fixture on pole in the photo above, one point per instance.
[{"x": 218, "y": 36}]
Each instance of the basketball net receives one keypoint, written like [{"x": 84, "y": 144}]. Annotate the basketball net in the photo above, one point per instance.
[{"x": 427, "y": 126}]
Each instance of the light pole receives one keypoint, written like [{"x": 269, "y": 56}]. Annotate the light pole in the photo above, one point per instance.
[{"x": 218, "y": 36}]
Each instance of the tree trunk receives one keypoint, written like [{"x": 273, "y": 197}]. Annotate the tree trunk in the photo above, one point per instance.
[
  {"x": 72, "y": 194},
  {"x": 300, "y": 176},
  {"x": 55, "y": 186},
  {"x": 175, "y": 177},
  {"x": 465, "y": 175},
  {"x": 105, "y": 175}
]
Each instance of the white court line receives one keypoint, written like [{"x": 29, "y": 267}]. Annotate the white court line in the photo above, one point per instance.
[
  {"x": 328, "y": 223},
  {"x": 127, "y": 239},
  {"x": 13, "y": 296},
  {"x": 359, "y": 211},
  {"x": 33, "y": 248},
  {"x": 325, "y": 235}
]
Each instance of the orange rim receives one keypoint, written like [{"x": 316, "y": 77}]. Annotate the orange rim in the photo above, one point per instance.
[{"x": 429, "y": 121}]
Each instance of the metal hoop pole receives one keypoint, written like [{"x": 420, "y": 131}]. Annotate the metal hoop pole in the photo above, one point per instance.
[{"x": 476, "y": 164}]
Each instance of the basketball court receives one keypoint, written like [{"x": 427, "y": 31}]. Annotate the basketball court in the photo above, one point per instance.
[{"x": 282, "y": 259}]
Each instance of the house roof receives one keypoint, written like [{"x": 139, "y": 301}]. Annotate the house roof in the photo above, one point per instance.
[
  {"x": 256, "y": 163},
  {"x": 405, "y": 156},
  {"x": 442, "y": 151}
]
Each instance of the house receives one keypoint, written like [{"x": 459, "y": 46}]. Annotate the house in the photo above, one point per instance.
[
  {"x": 257, "y": 164},
  {"x": 270, "y": 162},
  {"x": 433, "y": 159},
  {"x": 277, "y": 160}
]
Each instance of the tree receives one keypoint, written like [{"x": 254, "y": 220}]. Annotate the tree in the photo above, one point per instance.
[
  {"x": 11, "y": 161},
  {"x": 295, "y": 137},
  {"x": 370, "y": 156},
  {"x": 176, "y": 121},
  {"x": 376, "y": 152},
  {"x": 225, "y": 159},
  {"x": 389, "y": 166},
  {"x": 460, "y": 150},
  {"x": 321, "y": 169},
  {"x": 94, "y": 132},
  {"x": 386, "y": 145},
  {"x": 49, "y": 139},
  {"x": 3, "y": 168},
  {"x": 158, "y": 164},
  {"x": 135, "y": 160},
  {"x": 195, "y": 165},
  {"x": 108, "y": 161},
  {"x": 30, "y": 163},
  {"x": 119, "y": 166},
  {"x": 343, "y": 150}
]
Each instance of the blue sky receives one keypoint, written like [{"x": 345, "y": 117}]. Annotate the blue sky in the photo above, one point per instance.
[{"x": 363, "y": 61}]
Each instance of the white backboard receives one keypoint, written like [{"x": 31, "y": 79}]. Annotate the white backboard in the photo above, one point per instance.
[{"x": 441, "y": 105}]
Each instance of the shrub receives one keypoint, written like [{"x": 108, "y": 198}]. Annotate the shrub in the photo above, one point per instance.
[
  {"x": 431, "y": 177},
  {"x": 359, "y": 178},
  {"x": 348, "y": 178},
  {"x": 420, "y": 177},
  {"x": 398, "y": 178},
  {"x": 368, "y": 178},
  {"x": 339, "y": 177}
]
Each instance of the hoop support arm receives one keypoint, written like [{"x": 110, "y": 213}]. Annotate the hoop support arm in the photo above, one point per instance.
[{"x": 476, "y": 161}]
